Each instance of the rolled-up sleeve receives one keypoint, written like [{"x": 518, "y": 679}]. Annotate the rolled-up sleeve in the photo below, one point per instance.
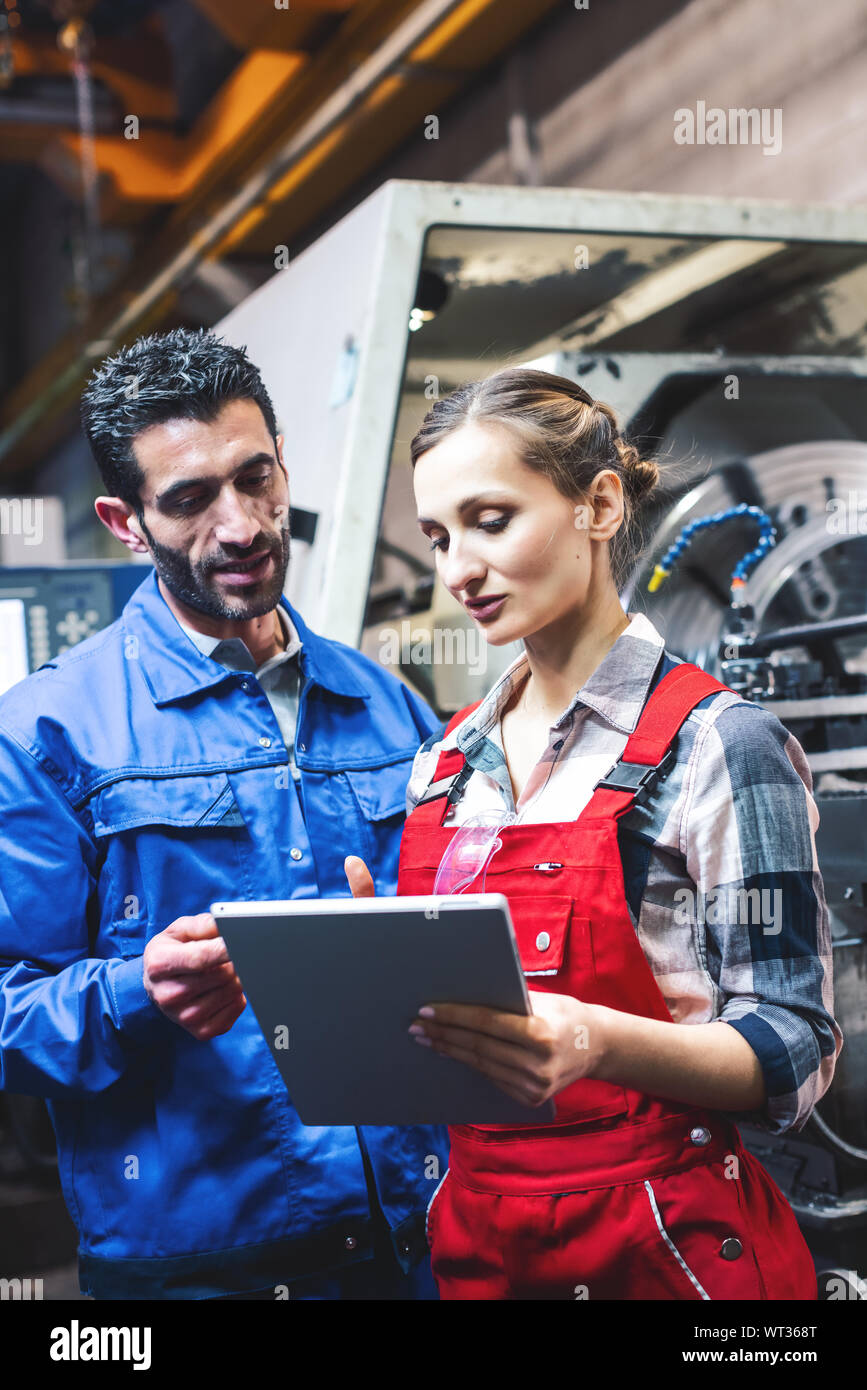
[{"x": 749, "y": 843}]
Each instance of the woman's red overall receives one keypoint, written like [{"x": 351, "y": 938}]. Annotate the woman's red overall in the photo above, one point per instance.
[{"x": 623, "y": 1195}]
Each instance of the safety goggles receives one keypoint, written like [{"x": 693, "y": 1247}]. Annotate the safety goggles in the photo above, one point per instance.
[{"x": 472, "y": 847}]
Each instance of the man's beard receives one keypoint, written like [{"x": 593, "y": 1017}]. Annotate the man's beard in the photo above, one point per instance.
[{"x": 192, "y": 584}]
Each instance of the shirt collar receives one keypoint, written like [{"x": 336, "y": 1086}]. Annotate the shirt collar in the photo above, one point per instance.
[
  {"x": 617, "y": 690},
  {"x": 234, "y": 652},
  {"x": 619, "y": 686},
  {"x": 173, "y": 666}
]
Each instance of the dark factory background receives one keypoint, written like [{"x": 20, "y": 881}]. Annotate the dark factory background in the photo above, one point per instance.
[{"x": 164, "y": 164}]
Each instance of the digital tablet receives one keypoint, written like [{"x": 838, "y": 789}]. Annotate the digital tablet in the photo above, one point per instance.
[{"x": 336, "y": 982}]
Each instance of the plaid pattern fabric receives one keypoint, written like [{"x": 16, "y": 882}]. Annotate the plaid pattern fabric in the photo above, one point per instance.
[{"x": 720, "y": 867}]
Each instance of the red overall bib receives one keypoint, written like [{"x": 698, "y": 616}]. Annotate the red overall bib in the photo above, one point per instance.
[{"x": 623, "y": 1195}]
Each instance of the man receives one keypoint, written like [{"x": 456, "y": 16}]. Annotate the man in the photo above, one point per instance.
[{"x": 207, "y": 745}]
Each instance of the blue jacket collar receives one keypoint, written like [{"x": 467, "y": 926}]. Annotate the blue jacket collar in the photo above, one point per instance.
[{"x": 173, "y": 667}]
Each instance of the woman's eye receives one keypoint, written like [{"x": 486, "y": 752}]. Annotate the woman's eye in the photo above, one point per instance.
[{"x": 496, "y": 524}]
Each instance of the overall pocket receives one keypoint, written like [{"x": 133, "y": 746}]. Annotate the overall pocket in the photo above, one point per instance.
[
  {"x": 698, "y": 1242},
  {"x": 555, "y": 950}
]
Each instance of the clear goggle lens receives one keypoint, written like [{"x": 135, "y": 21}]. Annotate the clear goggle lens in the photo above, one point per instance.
[{"x": 465, "y": 863}]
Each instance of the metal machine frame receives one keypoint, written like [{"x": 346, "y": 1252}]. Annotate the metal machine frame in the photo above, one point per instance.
[{"x": 330, "y": 334}]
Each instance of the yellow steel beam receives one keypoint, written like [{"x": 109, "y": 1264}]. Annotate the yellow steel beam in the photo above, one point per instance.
[
  {"x": 157, "y": 167},
  {"x": 464, "y": 42},
  {"x": 321, "y": 169}
]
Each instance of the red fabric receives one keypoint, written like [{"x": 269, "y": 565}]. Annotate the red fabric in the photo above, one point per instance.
[{"x": 566, "y": 1209}]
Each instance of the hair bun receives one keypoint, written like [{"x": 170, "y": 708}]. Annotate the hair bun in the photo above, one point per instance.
[{"x": 642, "y": 474}]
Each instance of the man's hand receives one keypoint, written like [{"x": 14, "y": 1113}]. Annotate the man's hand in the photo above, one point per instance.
[
  {"x": 188, "y": 974},
  {"x": 358, "y": 877}
]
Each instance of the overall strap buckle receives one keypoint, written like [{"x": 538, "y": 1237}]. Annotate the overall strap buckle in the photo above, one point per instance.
[
  {"x": 638, "y": 778},
  {"x": 451, "y": 787},
  {"x": 670, "y": 704},
  {"x": 452, "y": 770}
]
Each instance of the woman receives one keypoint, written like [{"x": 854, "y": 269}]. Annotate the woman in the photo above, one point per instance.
[{"x": 640, "y": 1188}]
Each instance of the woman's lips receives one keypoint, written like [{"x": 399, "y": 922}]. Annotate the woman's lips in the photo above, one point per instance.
[
  {"x": 484, "y": 610},
  {"x": 252, "y": 575}
]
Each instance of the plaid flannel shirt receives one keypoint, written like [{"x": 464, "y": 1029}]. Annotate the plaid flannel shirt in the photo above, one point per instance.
[{"x": 720, "y": 869}]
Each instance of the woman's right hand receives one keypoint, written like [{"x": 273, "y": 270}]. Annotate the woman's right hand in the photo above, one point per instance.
[{"x": 359, "y": 877}]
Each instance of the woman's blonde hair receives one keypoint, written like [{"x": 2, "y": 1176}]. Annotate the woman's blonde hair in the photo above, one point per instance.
[{"x": 562, "y": 433}]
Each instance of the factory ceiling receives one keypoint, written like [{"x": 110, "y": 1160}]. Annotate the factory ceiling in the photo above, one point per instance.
[{"x": 193, "y": 138}]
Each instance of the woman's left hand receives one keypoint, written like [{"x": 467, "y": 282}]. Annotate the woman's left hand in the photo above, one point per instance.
[{"x": 530, "y": 1058}]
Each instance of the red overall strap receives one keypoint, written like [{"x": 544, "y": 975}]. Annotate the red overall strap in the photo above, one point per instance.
[
  {"x": 670, "y": 704},
  {"x": 448, "y": 766},
  {"x": 668, "y": 707}
]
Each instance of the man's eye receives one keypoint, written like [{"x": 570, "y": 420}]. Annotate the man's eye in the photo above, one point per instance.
[{"x": 189, "y": 504}]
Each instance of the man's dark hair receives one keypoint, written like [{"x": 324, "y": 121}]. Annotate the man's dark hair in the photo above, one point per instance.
[{"x": 185, "y": 374}]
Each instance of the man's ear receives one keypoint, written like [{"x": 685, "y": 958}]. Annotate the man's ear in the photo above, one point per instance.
[
  {"x": 279, "y": 443},
  {"x": 120, "y": 519}
]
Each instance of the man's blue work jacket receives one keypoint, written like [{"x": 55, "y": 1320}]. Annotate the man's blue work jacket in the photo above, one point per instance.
[{"x": 139, "y": 782}]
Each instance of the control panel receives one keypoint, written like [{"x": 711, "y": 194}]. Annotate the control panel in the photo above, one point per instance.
[{"x": 45, "y": 611}]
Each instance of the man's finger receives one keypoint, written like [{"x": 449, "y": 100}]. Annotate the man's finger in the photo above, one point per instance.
[
  {"x": 187, "y": 957},
  {"x": 358, "y": 876},
  {"x": 196, "y": 928},
  {"x": 202, "y": 1008},
  {"x": 188, "y": 986},
  {"x": 220, "y": 1022}
]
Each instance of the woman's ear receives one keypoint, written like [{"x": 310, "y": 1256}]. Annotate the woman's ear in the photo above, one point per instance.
[{"x": 606, "y": 505}]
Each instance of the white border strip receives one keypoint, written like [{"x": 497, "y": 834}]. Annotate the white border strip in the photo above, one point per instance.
[
  {"x": 431, "y": 1202},
  {"x": 670, "y": 1243}
]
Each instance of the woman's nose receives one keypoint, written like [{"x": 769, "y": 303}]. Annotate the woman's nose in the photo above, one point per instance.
[{"x": 460, "y": 566}]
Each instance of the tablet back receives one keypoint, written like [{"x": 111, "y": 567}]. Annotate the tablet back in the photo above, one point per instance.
[{"x": 335, "y": 984}]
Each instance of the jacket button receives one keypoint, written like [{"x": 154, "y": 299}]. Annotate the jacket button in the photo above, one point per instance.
[
  {"x": 731, "y": 1248},
  {"x": 265, "y": 742},
  {"x": 295, "y": 853},
  {"x": 700, "y": 1135},
  {"x": 245, "y": 685},
  {"x": 405, "y": 1247},
  {"x": 350, "y": 1242},
  {"x": 543, "y": 941}
]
